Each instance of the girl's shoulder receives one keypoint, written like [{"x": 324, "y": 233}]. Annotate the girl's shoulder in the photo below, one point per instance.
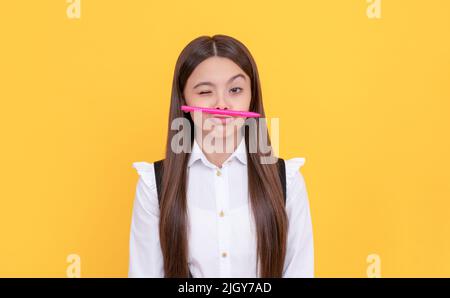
[
  {"x": 146, "y": 172},
  {"x": 293, "y": 166}
]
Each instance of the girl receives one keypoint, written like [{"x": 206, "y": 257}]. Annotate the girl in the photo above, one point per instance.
[{"x": 219, "y": 213}]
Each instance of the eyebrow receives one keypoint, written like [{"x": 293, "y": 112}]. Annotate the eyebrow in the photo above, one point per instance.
[{"x": 229, "y": 81}]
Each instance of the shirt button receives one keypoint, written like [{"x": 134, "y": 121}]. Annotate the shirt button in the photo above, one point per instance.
[
  {"x": 218, "y": 173},
  {"x": 224, "y": 254},
  {"x": 221, "y": 214}
]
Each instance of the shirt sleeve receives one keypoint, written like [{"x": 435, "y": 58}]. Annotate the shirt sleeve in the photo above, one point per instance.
[
  {"x": 299, "y": 260},
  {"x": 145, "y": 258}
]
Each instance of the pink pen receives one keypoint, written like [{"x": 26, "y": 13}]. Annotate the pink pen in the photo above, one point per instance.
[{"x": 221, "y": 112}]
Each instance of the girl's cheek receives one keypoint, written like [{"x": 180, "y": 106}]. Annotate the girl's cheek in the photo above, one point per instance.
[{"x": 196, "y": 121}]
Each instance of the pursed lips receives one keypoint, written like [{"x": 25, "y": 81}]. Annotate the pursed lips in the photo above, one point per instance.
[{"x": 221, "y": 118}]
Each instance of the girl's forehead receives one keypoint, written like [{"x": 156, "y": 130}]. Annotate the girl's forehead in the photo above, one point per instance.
[
  {"x": 217, "y": 72},
  {"x": 217, "y": 65}
]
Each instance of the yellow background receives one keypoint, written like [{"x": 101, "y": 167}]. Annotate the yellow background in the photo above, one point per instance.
[{"x": 365, "y": 101}]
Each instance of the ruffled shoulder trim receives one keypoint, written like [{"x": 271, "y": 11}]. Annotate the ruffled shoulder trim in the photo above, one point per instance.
[
  {"x": 292, "y": 167},
  {"x": 147, "y": 172}
]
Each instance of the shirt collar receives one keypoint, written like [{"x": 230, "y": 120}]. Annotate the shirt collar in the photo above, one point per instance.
[{"x": 240, "y": 153}]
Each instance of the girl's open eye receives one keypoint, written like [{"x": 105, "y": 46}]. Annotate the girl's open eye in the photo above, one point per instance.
[{"x": 236, "y": 90}]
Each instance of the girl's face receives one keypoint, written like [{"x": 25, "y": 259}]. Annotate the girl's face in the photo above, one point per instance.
[{"x": 218, "y": 82}]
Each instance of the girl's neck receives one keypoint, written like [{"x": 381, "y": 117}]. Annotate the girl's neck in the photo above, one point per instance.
[{"x": 218, "y": 158}]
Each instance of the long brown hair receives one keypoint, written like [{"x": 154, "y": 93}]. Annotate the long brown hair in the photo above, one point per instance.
[{"x": 265, "y": 190}]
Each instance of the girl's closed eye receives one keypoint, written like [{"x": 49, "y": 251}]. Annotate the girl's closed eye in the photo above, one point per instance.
[{"x": 204, "y": 92}]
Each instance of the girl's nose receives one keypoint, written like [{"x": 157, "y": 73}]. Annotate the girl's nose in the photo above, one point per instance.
[{"x": 220, "y": 103}]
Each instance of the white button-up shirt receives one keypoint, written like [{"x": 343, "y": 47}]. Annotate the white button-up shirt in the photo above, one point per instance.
[{"x": 221, "y": 230}]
